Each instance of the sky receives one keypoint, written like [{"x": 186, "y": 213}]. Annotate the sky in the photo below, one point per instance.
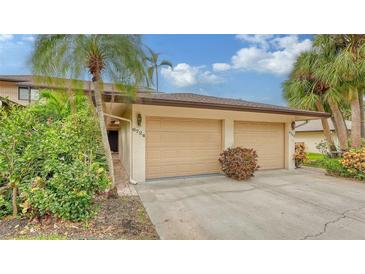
[{"x": 249, "y": 67}]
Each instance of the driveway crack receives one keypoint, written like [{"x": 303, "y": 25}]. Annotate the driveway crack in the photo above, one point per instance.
[{"x": 324, "y": 230}]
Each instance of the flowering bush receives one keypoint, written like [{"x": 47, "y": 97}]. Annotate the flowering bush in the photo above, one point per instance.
[
  {"x": 239, "y": 163},
  {"x": 299, "y": 155},
  {"x": 354, "y": 162}
]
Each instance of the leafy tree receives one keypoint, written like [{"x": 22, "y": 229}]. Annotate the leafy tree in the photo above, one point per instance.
[
  {"x": 153, "y": 59},
  {"x": 118, "y": 58}
]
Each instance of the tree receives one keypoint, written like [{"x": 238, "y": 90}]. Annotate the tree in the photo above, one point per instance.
[
  {"x": 326, "y": 53},
  {"x": 155, "y": 65},
  {"x": 345, "y": 71},
  {"x": 118, "y": 58},
  {"x": 304, "y": 91}
]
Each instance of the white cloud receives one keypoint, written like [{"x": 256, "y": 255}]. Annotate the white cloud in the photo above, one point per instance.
[
  {"x": 221, "y": 66},
  {"x": 28, "y": 38},
  {"x": 268, "y": 54},
  {"x": 6, "y": 37},
  {"x": 184, "y": 75},
  {"x": 258, "y": 39}
]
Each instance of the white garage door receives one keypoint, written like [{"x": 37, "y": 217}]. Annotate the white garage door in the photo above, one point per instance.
[
  {"x": 180, "y": 147},
  {"x": 266, "y": 138}
]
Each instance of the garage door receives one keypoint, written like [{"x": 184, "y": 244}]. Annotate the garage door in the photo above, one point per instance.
[
  {"x": 266, "y": 138},
  {"x": 180, "y": 147}
]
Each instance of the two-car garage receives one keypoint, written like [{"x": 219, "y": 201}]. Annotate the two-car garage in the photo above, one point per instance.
[{"x": 189, "y": 146}]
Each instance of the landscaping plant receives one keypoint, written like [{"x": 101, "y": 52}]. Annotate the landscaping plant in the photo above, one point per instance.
[
  {"x": 299, "y": 155},
  {"x": 120, "y": 58},
  {"x": 239, "y": 163},
  {"x": 51, "y": 161},
  {"x": 354, "y": 162}
]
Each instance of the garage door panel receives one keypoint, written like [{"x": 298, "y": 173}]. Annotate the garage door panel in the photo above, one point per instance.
[
  {"x": 179, "y": 146},
  {"x": 266, "y": 138}
]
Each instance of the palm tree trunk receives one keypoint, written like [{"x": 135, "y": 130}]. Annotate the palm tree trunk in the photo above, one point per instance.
[
  {"x": 355, "y": 121},
  {"x": 326, "y": 129},
  {"x": 104, "y": 133},
  {"x": 156, "y": 78},
  {"x": 340, "y": 124},
  {"x": 362, "y": 115}
]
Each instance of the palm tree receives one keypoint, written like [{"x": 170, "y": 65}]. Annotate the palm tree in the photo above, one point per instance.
[
  {"x": 155, "y": 65},
  {"x": 304, "y": 91},
  {"x": 346, "y": 71},
  {"x": 334, "y": 97},
  {"x": 118, "y": 58}
]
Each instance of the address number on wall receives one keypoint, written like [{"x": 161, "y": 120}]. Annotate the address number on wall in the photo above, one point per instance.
[{"x": 138, "y": 131}]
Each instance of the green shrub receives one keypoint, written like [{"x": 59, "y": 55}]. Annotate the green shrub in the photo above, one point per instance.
[
  {"x": 239, "y": 163},
  {"x": 333, "y": 166},
  {"x": 5, "y": 205},
  {"x": 55, "y": 160}
]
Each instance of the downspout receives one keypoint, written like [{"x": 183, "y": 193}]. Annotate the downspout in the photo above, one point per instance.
[{"x": 131, "y": 180}]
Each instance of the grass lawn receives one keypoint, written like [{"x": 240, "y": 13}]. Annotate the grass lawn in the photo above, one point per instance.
[
  {"x": 315, "y": 160},
  {"x": 314, "y": 156}
]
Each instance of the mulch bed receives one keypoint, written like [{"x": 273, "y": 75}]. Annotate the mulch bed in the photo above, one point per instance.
[{"x": 118, "y": 218}]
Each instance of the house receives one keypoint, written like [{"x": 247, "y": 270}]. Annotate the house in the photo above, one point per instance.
[
  {"x": 180, "y": 134},
  {"x": 311, "y": 134}
]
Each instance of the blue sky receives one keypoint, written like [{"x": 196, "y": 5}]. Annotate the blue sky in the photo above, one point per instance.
[{"x": 250, "y": 67}]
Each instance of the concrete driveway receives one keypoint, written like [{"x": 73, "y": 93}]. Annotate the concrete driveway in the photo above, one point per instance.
[{"x": 281, "y": 204}]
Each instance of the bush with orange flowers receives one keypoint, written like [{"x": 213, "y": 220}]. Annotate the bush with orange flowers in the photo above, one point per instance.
[
  {"x": 354, "y": 162},
  {"x": 299, "y": 155}
]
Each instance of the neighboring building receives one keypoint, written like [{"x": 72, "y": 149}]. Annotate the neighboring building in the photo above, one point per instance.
[
  {"x": 178, "y": 134},
  {"x": 18, "y": 88},
  {"x": 311, "y": 134}
]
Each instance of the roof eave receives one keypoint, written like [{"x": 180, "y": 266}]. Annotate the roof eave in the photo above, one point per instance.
[{"x": 176, "y": 103}]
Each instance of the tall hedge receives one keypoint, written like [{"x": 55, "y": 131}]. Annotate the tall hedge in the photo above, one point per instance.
[{"x": 53, "y": 159}]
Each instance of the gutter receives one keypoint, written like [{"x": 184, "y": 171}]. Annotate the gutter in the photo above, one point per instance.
[
  {"x": 131, "y": 180},
  {"x": 166, "y": 102}
]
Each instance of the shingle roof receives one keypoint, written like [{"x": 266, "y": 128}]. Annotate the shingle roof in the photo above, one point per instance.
[
  {"x": 181, "y": 99},
  {"x": 316, "y": 125},
  {"x": 192, "y": 99}
]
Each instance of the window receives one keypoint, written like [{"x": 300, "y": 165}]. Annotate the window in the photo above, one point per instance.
[
  {"x": 28, "y": 94},
  {"x": 34, "y": 94},
  {"x": 23, "y": 93}
]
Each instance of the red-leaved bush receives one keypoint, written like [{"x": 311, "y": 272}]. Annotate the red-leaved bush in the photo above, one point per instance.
[{"x": 239, "y": 163}]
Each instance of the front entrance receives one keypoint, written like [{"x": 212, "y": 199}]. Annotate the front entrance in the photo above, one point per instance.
[{"x": 113, "y": 140}]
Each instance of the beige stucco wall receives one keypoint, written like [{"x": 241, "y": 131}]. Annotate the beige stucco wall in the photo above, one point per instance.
[
  {"x": 10, "y": 90},
  {"x": 228, "y": 118},
  {"x": 311, "y": 139}
]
